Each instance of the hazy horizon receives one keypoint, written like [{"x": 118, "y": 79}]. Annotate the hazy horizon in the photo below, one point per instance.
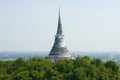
[{"x": 90, "y": 25}]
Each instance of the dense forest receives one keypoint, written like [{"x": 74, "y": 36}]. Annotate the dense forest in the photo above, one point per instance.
[{"x": 38, "y": 68}]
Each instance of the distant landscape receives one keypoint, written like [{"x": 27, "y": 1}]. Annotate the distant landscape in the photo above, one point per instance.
[{"x": 104, "y": 56}]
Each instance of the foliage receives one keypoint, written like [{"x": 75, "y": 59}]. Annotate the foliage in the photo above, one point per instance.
[{"x": 38, "y": 68}]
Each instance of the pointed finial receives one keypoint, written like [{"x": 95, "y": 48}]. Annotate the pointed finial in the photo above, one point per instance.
[
  {"x": 59, "y": 30},
  {"x": 59, "y": 11}
]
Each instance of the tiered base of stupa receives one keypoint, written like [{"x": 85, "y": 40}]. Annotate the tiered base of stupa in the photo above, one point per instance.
[{"x": 57, "y": 57}]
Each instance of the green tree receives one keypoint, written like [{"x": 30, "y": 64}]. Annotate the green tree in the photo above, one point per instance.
[
  {"x": 22, "y": 76},
  {"x": 38, "y": 63},
  {"x": 35, "y": 75},
  {"x": 52, "y": 74},
  {"x": 97, "y": 62},
  {"x": 79, "y": 74},
  {"x": 82, "y": 61},
  {"x": 6, "y": 77},
  {"x": 113, "y": 66}
]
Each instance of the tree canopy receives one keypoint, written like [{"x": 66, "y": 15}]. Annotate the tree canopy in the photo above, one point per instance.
[{"x": 38, "y": 68}]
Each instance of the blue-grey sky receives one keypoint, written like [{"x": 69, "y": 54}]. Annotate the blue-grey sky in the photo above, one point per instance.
[{"x": 88, "y": 25}]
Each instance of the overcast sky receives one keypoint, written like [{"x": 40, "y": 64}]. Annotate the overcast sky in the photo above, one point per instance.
[{"x": 88, "y": 25}]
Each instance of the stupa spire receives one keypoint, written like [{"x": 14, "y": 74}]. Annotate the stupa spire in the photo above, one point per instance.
[{"x": 59, "y": 29}]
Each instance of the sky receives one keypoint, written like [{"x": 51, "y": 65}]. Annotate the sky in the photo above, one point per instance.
[{"x": 88, "y": 25}]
